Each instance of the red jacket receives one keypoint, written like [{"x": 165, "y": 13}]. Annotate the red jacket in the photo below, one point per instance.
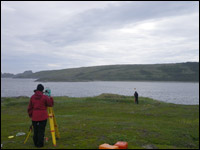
[{"x": 38, "y": 104}]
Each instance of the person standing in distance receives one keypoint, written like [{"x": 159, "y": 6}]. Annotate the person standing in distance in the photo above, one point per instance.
[
  {"x": 37, "y": 111},
  {"x": 136, "y": 97}
]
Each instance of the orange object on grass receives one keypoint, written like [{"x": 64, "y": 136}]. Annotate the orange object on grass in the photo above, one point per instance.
[
  {"x": 122, "y": 145},
  {"x": 107, "y": 146}
]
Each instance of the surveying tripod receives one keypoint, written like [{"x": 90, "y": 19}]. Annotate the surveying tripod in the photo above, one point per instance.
[{"x": 53, "y": 127}]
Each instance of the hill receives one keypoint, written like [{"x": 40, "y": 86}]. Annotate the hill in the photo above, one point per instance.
[
  {"x": 188, "y": 71},
  {"x": 7, "y": 75}
]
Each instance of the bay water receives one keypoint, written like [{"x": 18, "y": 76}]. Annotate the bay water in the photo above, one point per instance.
[{"x": 171, "y": 92}]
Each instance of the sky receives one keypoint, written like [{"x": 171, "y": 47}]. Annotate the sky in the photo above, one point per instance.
[{"x": 52, "y": 35}]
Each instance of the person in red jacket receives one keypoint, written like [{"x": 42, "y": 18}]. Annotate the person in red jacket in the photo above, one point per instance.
[{"x": 37, "y": 110}]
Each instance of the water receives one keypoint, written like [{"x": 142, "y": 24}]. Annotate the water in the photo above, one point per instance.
[{"x": 172, "y": 92}]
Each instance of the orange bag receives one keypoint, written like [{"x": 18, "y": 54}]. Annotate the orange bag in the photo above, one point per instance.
[
  {"x": 107, "y": 146},
  {"x": 122, "y": 145}
]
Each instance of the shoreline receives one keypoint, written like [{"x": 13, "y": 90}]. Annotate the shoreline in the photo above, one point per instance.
[
  {"x": 37, "y": 80},
  {"x": 130, "y": 97}
]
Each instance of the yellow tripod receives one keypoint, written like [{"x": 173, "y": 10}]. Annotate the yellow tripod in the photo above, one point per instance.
[
  {"x": 53, "y": 127},
  {"x": 30, "y": 130}
]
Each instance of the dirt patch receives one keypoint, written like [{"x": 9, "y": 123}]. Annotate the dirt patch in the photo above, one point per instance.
[{"x": 150, "y": 146}]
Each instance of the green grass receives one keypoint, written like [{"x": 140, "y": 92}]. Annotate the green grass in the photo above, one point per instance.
[{"x": 85, "y": 123}]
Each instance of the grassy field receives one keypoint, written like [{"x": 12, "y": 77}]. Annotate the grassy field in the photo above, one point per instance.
[{"x": 85, "y": 123}]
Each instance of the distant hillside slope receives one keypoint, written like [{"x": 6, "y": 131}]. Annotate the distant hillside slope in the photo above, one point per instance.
[
  {"x": 157, "y": 72},
  {"x": 7, "y": 75}
]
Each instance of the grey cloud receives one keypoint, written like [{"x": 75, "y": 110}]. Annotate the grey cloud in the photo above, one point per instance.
[{"x": 85, "y": 26}]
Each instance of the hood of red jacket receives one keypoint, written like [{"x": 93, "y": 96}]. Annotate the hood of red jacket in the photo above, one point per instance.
[{"x": 38, "y": 95}]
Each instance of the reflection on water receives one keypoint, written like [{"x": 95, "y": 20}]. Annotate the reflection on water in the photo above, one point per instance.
[{"x": 173, "y": 92}]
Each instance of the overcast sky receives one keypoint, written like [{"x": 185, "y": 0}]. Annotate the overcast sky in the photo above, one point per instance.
[{"x": 48, "y": 35}]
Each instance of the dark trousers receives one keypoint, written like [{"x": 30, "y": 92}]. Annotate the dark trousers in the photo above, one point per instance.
[
  {"x": 39, "y": 130},
  {"x": 136, "y": 100}
]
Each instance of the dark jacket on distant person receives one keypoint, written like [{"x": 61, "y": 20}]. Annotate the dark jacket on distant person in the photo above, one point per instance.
[
  {"x": 136, "y": 94},
  {"x": 136, "y": 97}
]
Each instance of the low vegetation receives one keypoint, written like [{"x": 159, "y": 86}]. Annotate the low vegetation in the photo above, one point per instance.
[{"x": 85, "y": 123}]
